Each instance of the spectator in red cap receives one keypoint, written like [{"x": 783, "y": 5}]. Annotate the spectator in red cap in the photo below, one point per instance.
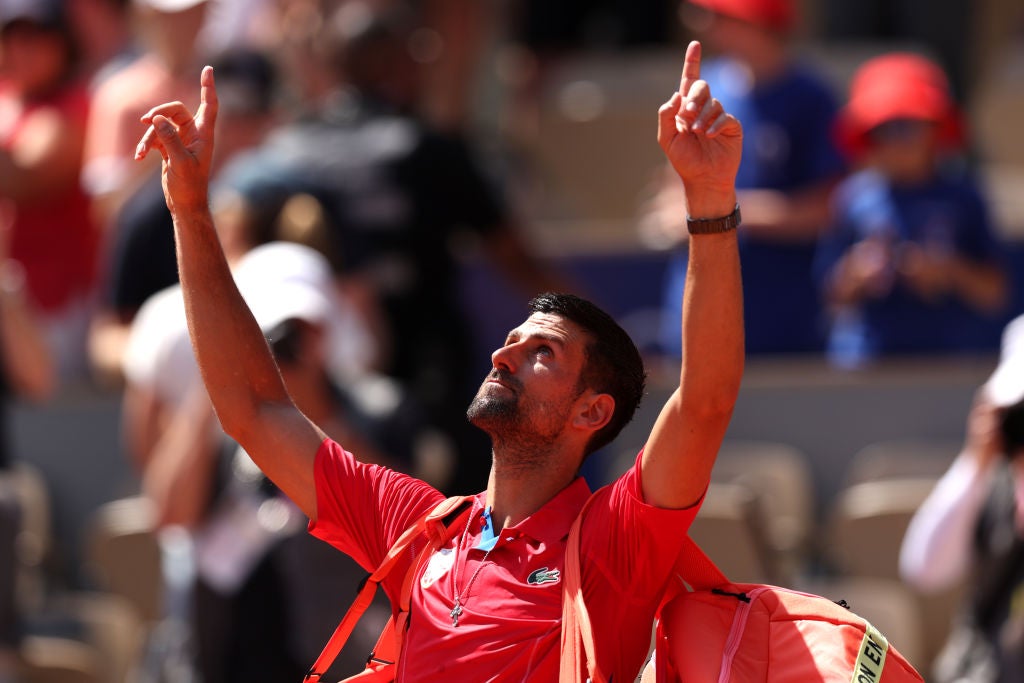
[
  {"x": 898, "y": 86},
  {"x": 911, "y": 263},
  {"x": 790, "y": 165}
]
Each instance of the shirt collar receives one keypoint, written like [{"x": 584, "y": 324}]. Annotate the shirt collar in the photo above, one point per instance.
[{"x": 551, "y": 523}]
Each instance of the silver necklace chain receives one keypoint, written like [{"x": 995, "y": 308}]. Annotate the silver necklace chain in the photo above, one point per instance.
[{"x": 456, "y": 595}]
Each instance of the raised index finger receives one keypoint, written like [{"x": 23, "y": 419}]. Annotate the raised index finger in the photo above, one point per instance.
[
  {"x": 206, "y": 116},
  {"x": 691, "y": 67}
]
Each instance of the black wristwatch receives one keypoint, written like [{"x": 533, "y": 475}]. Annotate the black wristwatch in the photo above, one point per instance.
[{"x": 710, "y": 226}]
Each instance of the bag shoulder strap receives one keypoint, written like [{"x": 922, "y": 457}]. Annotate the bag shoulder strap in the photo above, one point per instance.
[
  {"x": 578, "y": 659},
  {"x": 438, "y": 525},
  {"x": 578, "y": 651}
]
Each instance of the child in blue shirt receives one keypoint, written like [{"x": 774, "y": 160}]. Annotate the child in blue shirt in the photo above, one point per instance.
[{"x": 911, "y": 263}]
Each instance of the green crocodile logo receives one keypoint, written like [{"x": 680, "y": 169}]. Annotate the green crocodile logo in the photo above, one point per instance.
[{"x": 544, "y": 575}]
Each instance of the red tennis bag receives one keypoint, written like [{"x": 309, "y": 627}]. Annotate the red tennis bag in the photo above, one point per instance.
[
  {"x": 712, "y": 630},
  {"x": 742, "y": 633}
]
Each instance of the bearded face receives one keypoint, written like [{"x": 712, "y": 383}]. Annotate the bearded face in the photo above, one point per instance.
[
  {"x": 526, "y": 402},
  {"x": 505, "y": 409}
]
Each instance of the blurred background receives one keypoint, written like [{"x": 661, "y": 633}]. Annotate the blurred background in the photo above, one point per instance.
[{"x": 430, "y": 164}]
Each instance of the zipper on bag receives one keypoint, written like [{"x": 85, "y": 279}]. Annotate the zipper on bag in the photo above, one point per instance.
[{"x": 739, "y": 624}]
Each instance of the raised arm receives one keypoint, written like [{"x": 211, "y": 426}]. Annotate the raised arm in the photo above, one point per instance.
[
  {"x": 238, "y": 369},
  {"x": 703, "y": 144},
  {"x": 938, "y": 548}
]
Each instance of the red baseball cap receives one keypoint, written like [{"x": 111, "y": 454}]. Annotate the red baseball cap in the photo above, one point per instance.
[
  {"x": 778, "y": 15},
  {"x": 899, "y": 85}
]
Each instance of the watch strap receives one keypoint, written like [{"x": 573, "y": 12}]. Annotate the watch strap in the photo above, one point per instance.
[{"x": 710, "y": 226}]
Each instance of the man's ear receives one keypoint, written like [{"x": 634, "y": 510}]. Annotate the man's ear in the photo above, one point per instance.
[{"x": 595, "y": 411}]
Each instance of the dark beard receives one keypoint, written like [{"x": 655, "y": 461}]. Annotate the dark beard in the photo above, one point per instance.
[
  {"x": 516, "y": 452},
  {"x": 485, "y": 411},
  {"x": 501, "y": 415},
  {"x": 521, "y": 435}
]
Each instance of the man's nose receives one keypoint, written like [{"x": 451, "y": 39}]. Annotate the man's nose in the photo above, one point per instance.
[{"x": 503, "y": 358}]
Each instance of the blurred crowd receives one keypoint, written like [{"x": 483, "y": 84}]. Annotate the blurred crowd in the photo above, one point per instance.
[{"x": 353, "y": 170}]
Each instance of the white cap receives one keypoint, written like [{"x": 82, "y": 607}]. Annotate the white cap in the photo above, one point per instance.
[
  {"x": 284, "y": 280},
  {"x": 1006, "y": 385},
  {"x": 169, "y": 6},
  {"x": 159, "y": 353}
]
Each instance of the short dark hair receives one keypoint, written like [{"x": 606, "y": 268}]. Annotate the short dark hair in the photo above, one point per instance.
[{"x": 613, "y": 364}]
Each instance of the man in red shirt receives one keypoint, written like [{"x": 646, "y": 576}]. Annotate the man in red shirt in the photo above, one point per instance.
[{"x": 488, "y": 606}]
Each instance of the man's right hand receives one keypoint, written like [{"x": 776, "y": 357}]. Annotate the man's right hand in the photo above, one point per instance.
[{"x": 185, "y": 143}]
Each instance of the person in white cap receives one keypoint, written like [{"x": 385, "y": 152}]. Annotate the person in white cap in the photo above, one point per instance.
[
  {"x": 254, "y": 601},
  {"x": 972, "y": 525}
]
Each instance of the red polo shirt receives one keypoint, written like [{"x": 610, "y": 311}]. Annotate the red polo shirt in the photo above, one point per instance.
[{"x": 510, "y": 626}]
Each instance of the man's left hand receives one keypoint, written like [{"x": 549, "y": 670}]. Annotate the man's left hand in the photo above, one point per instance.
[{"x": 702, "y": 141}]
